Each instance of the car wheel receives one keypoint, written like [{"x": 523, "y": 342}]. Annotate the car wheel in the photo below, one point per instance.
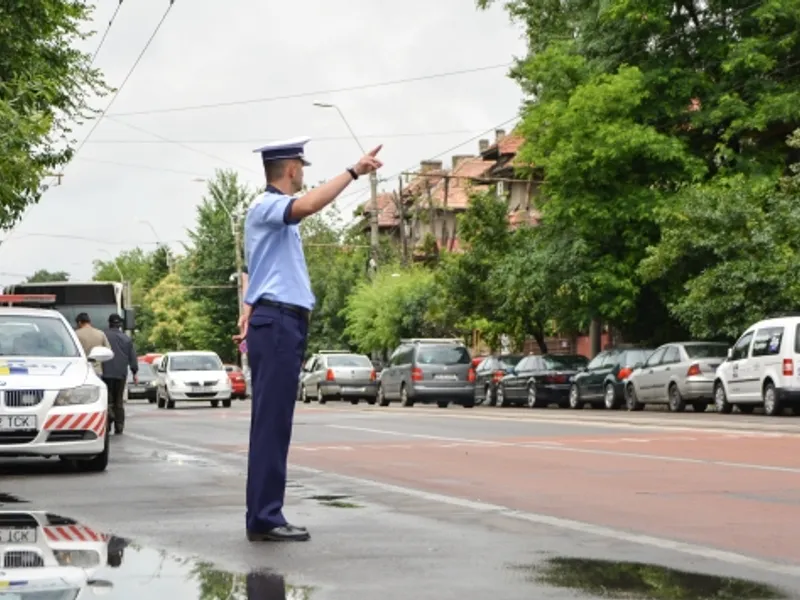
[
  {"x": 631, "y": 400},
  {"x": 382, "y": 397},
  {"x": 721, "y": 400},
  {"x": 675, "y": 399},
  {"x": 443, "y": 404},
  {"x": 488, "y": 397},
  {"x": 226, "y": 403},
  {"x": 501, "y": 395},
  {"x": 772, "y": 404},
  {"x": 354, "y": 401},
  {"x": 404, "y": 399},
  {"x": 304, "y": 395},
  {"x": 320, "y": 398},
  {"x": 610, "y": 397},
  {"x": 214, "y": 403},
  {"x": 575, "y": 401},
  {"x": 533, "y": 402},
  {"x": 160, "y": 402},
  {"x": 99, "y": 462}
]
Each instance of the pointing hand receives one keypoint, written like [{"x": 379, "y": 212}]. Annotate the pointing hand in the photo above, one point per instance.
[{"x": 368, "y": 163}]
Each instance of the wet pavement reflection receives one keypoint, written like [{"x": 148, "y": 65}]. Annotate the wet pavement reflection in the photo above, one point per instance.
[
  {"x": 641, "y": 581},
  {"x": 44, "y": 556}
]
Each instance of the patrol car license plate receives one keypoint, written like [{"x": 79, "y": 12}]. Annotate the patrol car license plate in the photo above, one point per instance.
[
  {"x": 17, "y": 422},
  {"x": 18, "y": 536}
]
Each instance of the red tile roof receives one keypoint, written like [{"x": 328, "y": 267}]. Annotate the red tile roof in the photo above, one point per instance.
[
  {"x": 387, "y": 210},
  {"x": 454, "y": 194}
]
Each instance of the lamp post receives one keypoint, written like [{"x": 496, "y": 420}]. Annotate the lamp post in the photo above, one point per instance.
[
  {"x": 238, "y": 261},
  {"x": 373, "y": 184}
]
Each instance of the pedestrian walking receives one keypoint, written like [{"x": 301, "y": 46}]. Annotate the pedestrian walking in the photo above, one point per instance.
[
  {"x": 115, "y": 371},
  {"x": 277, "y": 307},
  {"x": 90, "y": 337}
]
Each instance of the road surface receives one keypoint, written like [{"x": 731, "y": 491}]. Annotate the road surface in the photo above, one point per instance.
[{"x": 455, "y": 503}]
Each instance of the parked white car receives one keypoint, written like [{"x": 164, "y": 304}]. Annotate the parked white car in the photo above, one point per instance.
[
  {"x": 762, "y": 369},
  {"x": 52, "y": 403},
  {"x": 192, "y": 376}
]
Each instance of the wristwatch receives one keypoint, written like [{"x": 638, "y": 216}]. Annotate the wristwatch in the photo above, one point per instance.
[{"x": 352, "y": 172}]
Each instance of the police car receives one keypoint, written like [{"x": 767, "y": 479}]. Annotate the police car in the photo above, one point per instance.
[
  {"x": 52, "y": 403},
  {"x": 50, "y": 557}
]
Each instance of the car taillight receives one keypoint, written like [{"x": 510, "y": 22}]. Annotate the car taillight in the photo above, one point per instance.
[
  {"x": 624, "y": 373},
  {"x": 416, "y": 374},
  {"x": 788, "y": 367},
  {"x": 373, "y": 375},
  {"x": 693, "y": 370},
  {"x": 471, "y": 375},
  {"x": 555, "y": 378},
  {"x": 329, "y": 376},
  {"x": 498, "y": 375}
]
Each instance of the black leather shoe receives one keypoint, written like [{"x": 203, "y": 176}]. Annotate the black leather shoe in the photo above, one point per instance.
[
  {"x": 297, "y": 527},
  {"x": 287, "y": 533}
]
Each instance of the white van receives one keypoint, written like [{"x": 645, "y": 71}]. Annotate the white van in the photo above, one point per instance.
[{"x": 762, "y": 369}]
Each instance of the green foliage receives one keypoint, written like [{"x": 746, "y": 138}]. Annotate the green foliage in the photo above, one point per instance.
[
  {"x": 211, "y": 260},
  {"x": 44, "y": 86},
  {"x": 394, "y": 305},
  {"x": 179, "y": 322},
  {"x": 45, "y": 276}
]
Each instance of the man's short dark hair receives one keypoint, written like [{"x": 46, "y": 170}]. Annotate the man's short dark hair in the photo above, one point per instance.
[
  {"x": 82, "y": 318},
  {"x": 275, "y": 169}
]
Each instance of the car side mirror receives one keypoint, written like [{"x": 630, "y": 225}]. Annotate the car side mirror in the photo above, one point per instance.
[{"x": 100, "y": 354}]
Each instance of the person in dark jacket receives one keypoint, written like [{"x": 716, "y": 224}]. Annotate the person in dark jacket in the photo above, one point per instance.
[{"x": 115, "y": 371}]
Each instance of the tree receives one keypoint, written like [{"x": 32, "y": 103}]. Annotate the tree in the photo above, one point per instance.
[
  {"x": 179, "y": 323},
  {"x": 732, "y": 246},
  {"x": 44, "y": 86},
  {"x": 211, "y": 264},
  {"x": 45, "y": 276},
  {"x": 394, "y": 305}
]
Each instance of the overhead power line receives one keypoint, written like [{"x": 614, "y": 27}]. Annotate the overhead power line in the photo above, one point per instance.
[
  {"x": 265, "y": 140},
  {"x": 105, "y": 34},
  {"x": 353, "y": 88},
  {"x": 127, "y": 78}
]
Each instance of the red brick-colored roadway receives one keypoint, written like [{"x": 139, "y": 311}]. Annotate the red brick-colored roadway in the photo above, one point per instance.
[{"x": 729, "y": 490}]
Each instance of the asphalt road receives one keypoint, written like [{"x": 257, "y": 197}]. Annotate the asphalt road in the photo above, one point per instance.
[{"x": 455, "y": 503}]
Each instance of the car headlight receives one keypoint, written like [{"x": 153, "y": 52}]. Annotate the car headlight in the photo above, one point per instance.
[
  {"x": 83, "y": 559},
  {"x": 173, "y": 383},
  {"x": 84, "y": 394}
]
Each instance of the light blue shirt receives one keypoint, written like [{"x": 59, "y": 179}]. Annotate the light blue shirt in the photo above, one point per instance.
[{"x": 276, "y": 263}]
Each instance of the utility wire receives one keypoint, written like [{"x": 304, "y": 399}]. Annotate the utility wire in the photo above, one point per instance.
[
  {"x": 264, "y": 140},
  {"x": 127, "y": 77},
  {"x": 105, "y": 35},
  {"x": 353, "y": 88}
]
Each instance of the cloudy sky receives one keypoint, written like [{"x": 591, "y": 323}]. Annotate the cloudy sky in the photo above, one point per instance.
[{"x": 134, "y": 182}]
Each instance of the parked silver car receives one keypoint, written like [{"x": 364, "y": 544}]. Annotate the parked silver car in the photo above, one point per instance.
[
  {"x": 333, "y": 375},
  {"x": 426, "y": 371},
  {"x": 676, "y": 374}
]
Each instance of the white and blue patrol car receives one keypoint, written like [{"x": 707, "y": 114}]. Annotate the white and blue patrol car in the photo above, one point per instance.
[{"x": 52, "y": 402}]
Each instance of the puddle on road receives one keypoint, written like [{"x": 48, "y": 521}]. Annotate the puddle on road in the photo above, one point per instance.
[
  {"x": 10, "y": 499},
  {"x": 180, "y": 459},
  {"x": 45, "y": 556},
  {"x": 640, "y": 581},
  {"x": 335, "y": 501}
]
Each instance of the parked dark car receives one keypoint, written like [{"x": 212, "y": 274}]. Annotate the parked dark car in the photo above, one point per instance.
[
  {"x": 540, "y": 381},
  {"x": 602, "y": 383},
  {"x": 488, "y": 374},
  {"x": 146, "y": 388}
]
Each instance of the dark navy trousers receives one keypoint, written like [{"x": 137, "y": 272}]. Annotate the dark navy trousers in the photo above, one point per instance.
[{"x": 276, "y": 343}]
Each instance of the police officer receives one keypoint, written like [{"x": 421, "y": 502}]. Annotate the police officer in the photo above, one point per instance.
[{"x": 278, "y": 304}]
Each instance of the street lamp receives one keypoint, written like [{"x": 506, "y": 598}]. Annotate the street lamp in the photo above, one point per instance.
[
  {"x": 238, "y": 256},
  {"x": 373, "y": 184},
  {"x": 159, "y": 242}
]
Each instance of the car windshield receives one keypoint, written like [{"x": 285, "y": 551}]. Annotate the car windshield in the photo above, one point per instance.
[
  {"x": 565, "y": 363},
  {"x": 24, "y": 335},
  {"x": 443, "y": 355},
  {"x": 145, "y": 373},
  {"x": 510, "y": 361},
  {"x": 195, "y": 362},
  {"x": 706, "y": 350},
  {"x": 349, "y": 360}
]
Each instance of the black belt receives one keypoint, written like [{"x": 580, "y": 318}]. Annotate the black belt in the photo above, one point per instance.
[{"x": 301, "y": 312}]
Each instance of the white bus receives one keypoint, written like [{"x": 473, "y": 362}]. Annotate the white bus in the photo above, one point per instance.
[{"x": 98, "y": 299}]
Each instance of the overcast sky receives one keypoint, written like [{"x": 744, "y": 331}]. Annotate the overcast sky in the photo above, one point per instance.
[{"x": 125, "y": 181}]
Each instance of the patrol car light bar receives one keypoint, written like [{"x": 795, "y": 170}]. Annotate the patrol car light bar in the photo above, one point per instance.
[{"x": 27, "y": 298}]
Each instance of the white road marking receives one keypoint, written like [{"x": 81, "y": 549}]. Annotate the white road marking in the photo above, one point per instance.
[
  {"x": 555, "y": 522},
  {"x": 546, "y": 445}
]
